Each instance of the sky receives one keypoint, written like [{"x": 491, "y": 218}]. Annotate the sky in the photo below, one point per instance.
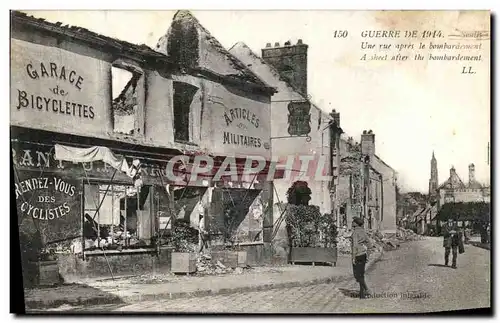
[{"x": 414, "y": 108}]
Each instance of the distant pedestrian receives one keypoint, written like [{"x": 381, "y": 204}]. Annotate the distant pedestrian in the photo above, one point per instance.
[
  {"x": 452, "y": 242},
  {"x": 360, "y": 244},
  {"x": 467, "y": 235}
]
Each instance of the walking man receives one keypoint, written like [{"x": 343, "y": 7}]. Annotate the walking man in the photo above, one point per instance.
[
  {"x": 452, "y": 242},
  {"x": 360, "y": 244}
]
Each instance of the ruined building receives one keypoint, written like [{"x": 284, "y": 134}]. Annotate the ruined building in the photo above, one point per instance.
[
  {"x": 94, "y": 123},
  {"x": 298, "y": 128},
  {"x": 367, "y": 185}
]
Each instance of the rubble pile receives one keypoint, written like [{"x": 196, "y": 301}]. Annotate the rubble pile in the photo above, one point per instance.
[
  {"x": 205, "y": 266},
  {"x": 403, "y": 234},
  {"x": 378, "y": 241},
  {"x": 343, "y": 241},
  {"x": 151, "y": 278}
]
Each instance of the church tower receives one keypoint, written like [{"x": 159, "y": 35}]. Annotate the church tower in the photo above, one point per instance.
[{"x": 433, "y": 181}]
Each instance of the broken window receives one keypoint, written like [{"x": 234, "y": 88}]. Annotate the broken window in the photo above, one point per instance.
[
  {"x": 237, "y": 216},
  {"x": 370, "y": 190},
  {"x": 183, "y": 97},
  {"x": 117, "y": 215},
  {"x": 125, "y": 103},
  {"x": 343, "y": 215}
]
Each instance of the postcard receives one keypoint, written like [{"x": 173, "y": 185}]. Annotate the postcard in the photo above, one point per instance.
[{"x": 246, "y": 162}]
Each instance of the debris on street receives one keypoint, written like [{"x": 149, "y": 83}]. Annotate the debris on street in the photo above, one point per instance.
[
  {"x": 407, "y": 235},
  {"x": 378, "y": 239},
  {"x": 152, "y": 278},
  {"x": 205, "y": 266},
  {"x": 343, "y": 241}
]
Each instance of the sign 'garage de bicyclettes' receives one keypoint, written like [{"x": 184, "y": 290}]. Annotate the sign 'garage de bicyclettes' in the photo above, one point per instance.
[
  {"x": 69, "y": 94},
  {"x": 43, "y": 71}
]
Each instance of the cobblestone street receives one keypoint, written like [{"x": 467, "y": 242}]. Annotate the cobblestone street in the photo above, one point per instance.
[{"x": 411, "y": 279}]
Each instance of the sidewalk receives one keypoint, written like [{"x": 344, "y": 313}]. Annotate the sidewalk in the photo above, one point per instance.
[
  {"x": 480, "y": 245},
  {"x": 476, "y": 242},
  {"x": 129, "y": 289}
]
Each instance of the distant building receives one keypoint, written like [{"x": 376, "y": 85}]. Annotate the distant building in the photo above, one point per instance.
[
  {"x": 454, "y": 190},
  {"x": 367, "y": 185}
]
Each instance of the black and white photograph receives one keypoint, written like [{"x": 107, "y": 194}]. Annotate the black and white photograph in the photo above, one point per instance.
[{"x": 251, "y": 161}]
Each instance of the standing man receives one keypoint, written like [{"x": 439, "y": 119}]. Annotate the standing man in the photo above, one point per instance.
[
  {"x": 202, "y": 233},
  {"x": 452, "y": 242},
  {"x": 360, "y": 244}
]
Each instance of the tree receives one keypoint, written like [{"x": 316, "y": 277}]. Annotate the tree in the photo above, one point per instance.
[{"x": 299, "y": 193}]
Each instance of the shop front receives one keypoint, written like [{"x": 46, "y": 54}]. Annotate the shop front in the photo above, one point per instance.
[
  {"x": 97, "y": 219},
  {"x": 91, "y": 166},
  {"x": 88, "y": 213}
]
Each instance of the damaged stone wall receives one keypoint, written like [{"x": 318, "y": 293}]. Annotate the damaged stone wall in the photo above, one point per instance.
[
  {"x": 388, "y": 221},
  {"x": 182, "y": 41},
  {"x": 350, "y": 188},
  {"x": 361, "y": 186},
  {"x": 191, "y": 45}
]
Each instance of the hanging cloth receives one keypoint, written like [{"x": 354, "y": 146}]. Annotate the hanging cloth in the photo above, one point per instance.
[
  {"x": 87, "y": 155},
  {"x": 98, "y": 153}
]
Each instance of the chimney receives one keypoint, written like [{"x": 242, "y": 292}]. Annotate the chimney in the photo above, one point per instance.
[
  {"x": 472, "y": 174},
  {"x": 291, "y": 63},
  {"x": 368, "y": 143},
  {"x": 336, "y": 117}
]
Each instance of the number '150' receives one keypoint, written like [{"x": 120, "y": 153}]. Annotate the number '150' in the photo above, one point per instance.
[{"x": 340, "y": 33}]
